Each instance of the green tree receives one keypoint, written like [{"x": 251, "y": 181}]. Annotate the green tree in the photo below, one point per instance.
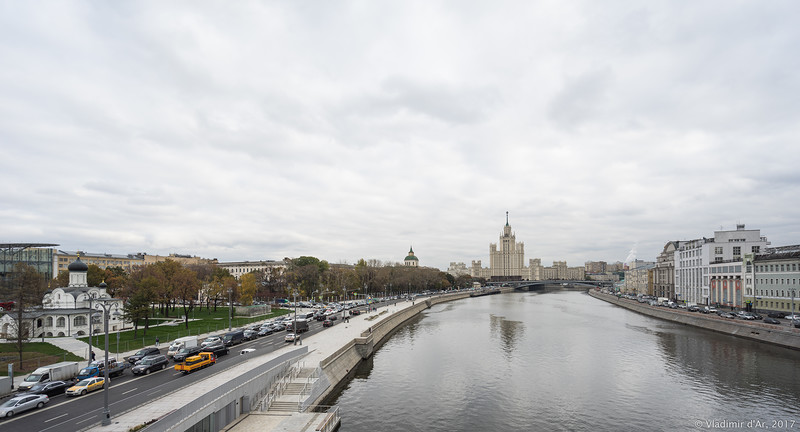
[
  {"x": 137, "y": 308},
  {"x": 305, "y": 273}
]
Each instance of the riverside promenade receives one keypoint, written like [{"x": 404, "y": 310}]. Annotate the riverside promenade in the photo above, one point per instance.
[{"x": 333, "y": 353}]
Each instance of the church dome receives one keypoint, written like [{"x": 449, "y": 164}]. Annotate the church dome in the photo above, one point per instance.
[
  {"x": 412, "y": 257},
  {"x": 78, "y": 266}
]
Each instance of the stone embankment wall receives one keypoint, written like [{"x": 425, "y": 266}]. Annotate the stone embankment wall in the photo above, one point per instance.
[
  {"x": 778, "y": 335},
  {"x": 338, "y": 365}
]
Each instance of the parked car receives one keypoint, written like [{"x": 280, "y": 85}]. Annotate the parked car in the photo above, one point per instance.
[
  {"x": 219, "y": 349},
  {"x": 186, "y": 352},
  {"x": 693, "y": 308},
  {"x": 776, "y": 314},
  {"x": 792, "y": 317},
  {"x": 86, "y": 386},
  {"x": 211, "y": 340},
  {"x": 150, "y": 364},
  {"x": 727, "y": 315},
  {"x": 142, "y": 353},
  {"x": 264, "y": 331},
  {"x": 250, "y": 334},
  {"x": 796, "y": 323},
  {"x": 769, "y": 320},
  {"x": 52, "y": 388},
  {"x": 233, "y": 338},
  {"x": 745, "y": 316},
  {"x": 22, "y": 403}
]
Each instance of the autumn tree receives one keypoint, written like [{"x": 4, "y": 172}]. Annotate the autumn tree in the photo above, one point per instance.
[{"x": 248, "y": 289}]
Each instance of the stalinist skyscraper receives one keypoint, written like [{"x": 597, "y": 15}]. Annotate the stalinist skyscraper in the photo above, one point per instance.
[{"x": 507, "y": 261}]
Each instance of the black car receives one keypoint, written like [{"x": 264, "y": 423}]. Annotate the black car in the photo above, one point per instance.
[
  {"x": 233, "y": 338},
  {"x": 327, "y": 323},
  {"x": 776, "y": 315},
  {"x": 796, "y": 323},
  {"x": 150, "y": 364},
  {"x": 769, "y": 320},
  {"x": 219, "y": 349},
  {"x": 186, "y": 352},
  {"x": 265, "y": 331},
  {"x": 142, "y": 353},
  {"x": 52, "y": 388}
]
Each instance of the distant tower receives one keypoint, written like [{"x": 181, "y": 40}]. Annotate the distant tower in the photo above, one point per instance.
[
  {"x": 411, "y": 260},
  {"x": 507, "y": 257}
]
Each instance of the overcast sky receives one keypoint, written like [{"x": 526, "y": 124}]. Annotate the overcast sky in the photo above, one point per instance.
[{"x": 346, "y": 130}]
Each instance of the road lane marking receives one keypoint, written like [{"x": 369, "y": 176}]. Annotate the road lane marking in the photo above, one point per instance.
[
  {"x": 62, "y": 415},
  {"x": 88, "y": 419},
  {"x": 137, "y": 388}
]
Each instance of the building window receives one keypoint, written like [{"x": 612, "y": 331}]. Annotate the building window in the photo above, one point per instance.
[
  {"x": 79, "y": 321},
  {"x": 61, "y": 322},
  {"x": 718, "y": 250},
  {"x": 49, "y": 321}
]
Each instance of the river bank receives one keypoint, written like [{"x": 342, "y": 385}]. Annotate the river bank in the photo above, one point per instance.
[{"x": 753, "y": 330}]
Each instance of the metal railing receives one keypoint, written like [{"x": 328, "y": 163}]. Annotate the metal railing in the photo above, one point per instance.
[{"x": 331, "y": 421}]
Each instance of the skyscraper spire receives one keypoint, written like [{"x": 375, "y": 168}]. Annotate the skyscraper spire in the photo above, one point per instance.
[{"x": 506, "y": 218}]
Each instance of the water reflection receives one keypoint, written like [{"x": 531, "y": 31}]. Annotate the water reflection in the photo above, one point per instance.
[{"x": 507, "y": 332}]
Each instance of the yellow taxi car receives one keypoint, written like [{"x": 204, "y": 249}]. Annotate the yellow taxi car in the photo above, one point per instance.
[{"x": 86, "y": 386}]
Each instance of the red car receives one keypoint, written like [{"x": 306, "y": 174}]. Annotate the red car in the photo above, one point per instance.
[{"x": 327, "y": 323}]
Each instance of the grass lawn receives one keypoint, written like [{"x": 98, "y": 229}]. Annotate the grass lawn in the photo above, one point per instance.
[
  {"x": 36, "y": 354},
  {"x": 169, "y": 329}
]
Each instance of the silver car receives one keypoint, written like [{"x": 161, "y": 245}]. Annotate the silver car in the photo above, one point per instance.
[{"x": 22, "y": 403}]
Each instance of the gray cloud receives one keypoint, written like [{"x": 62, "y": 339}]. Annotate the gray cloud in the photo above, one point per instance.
[{"x": 262, "y": 130}]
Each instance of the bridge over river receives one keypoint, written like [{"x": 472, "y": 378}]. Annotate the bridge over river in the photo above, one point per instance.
[{"x": 550, "y": 285}]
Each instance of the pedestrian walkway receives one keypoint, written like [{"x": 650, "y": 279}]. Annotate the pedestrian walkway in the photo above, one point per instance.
[
  {"x": 79, "y": 348},
  {"x": 320, "y": 345}
]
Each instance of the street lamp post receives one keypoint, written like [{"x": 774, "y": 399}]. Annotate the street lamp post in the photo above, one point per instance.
[
  {"x": 230, "y": 307},
  {"x": 294, "y": 295},
  {"x": 106, "y": 304}
]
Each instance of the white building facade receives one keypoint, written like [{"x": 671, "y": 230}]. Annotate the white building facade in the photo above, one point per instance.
[{"x": 693, "y": 259}]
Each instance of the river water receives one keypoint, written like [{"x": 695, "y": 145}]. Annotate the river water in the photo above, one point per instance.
[{"x": 566, "y": 361}]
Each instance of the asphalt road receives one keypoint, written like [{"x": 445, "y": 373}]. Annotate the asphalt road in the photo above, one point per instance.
[{"x": 63, "y": 414}]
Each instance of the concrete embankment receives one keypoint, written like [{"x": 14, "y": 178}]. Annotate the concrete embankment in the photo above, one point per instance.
[
  {"x": 783, "y": 336},
  {"x": 337, "y": 367}
]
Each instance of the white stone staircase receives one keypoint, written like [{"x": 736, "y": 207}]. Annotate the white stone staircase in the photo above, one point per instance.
[{"x": 289, "y": 394}]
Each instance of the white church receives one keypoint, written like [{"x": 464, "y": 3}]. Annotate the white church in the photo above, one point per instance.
[{"x": 67, "y": 311}]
